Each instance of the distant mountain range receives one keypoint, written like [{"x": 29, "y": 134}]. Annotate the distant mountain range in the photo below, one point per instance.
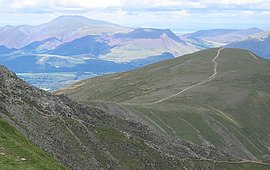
[
  {"x": 220, "y": 37},
  {"x": 258, "y": 43},
  {"x": 73, "y": 42},
  {"x": 54, "y": 43},
  {"x": 66, "y": 28},
  {"x": 5, "y": 50}
]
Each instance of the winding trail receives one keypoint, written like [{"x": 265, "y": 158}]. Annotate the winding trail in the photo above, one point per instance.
[
  {"x": 182, "y": 91},
  {"x": 194, "y": 85}
]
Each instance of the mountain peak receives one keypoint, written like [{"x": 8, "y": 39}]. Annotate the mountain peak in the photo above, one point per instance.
[
  {"x": 77, "y": 19},
  {"x": 255, "y": 29},
  {"x": 71, "y": 17}
]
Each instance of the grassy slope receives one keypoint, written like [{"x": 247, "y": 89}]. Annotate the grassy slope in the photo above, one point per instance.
[
  {"x": 14, "y": 148},
  {"x": 232, "y": 111}
]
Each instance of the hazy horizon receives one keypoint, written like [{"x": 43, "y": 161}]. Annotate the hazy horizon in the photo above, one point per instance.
[{"x": 179, "y": 16}]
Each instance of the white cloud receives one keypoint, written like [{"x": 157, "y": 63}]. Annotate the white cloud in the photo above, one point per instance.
[
  {"x": 240, "y": 2},
  {"x": 267, "y": 13},
  {"x": 247, "y": 13},
  {"x": 142, "y": 5},
  {"x": 165, "y": 13},
  {"x": 24, "y": 3},
  {"x": 89, "y": 3},
  {"x": 161, "y": 4},
  {"x": 67, "y": 3},
  {"x": 58, "y": 4}
]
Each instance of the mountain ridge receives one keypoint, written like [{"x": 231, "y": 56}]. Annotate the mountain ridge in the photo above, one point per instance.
[
  {"x": 214, "y": 105},
  {"x": 220, "y": 37},
  {"x": 257, "y": 43}
]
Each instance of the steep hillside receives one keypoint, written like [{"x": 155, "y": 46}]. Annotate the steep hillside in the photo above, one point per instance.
[
  {"x": 219, "y": 37},
  {"x": 16, "y": 152},
  {"x": 41, "y": 46},
  {"x": 77, "y": 35},
  {"x": 136, "y": 44},
  {"x": 89, "y": 45},
  {"x": 197, "y": 42},
  {"x": 84, "y": 137},
  {"x": 148, "y": 33},
  {"x": 257, "y": 43},
  {"x": 218, "y": 96},
  {"x": 46, "y": 63},
  {"x": 142, "y": 43}
]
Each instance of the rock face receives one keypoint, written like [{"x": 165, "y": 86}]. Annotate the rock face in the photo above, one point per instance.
[{"x": 84, "y": 137}]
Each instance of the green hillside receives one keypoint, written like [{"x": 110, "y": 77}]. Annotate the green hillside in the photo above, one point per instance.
[
  {"x": 87, "y": 137},
  {"x": 16, "y": 152},
  {"x": 185, "y": 97}
]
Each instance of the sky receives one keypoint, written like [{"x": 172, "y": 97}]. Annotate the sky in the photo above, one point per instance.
[{"x": 178, "y": 15}]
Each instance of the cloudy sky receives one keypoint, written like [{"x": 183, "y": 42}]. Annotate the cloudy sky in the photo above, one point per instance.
[{"x": 178, "y": 15}]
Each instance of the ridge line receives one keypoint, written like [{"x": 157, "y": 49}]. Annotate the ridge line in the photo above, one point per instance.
[{"x": 194, "y": 85}]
